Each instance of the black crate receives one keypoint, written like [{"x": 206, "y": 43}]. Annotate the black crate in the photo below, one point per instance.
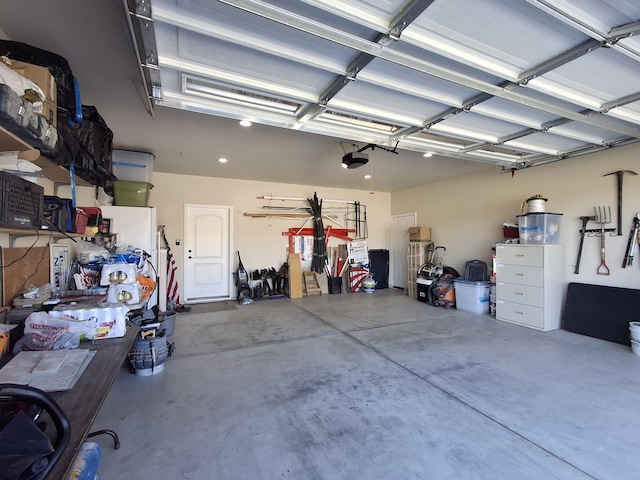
[{"x": 21, "y": 202}]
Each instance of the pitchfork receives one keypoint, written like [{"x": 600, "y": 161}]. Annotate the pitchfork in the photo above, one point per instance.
[{"x": 603, "y": 216}]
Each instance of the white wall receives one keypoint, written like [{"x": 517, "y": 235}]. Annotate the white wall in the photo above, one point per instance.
[
  {"x": 259, "y": 240},
  {"x": 466, "y": 213}
]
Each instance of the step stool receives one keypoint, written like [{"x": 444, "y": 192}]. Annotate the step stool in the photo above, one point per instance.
[{"x": 311, "y": 284}]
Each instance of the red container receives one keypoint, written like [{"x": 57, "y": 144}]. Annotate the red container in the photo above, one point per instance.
[
  {"x": 95, "y": 216},
  {"x": 81, "y": 220},
  {"x": 510, "y": 232}
]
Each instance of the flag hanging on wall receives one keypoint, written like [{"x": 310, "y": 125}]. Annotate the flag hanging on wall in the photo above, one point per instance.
[
  {"x": 173, "y": 292},
  {"x": 173, "y": 295}
]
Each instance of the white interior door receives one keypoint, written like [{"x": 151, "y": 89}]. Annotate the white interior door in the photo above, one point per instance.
[
  {"x": 399, "y": 242},
  {"x": 207, "y": 253}
]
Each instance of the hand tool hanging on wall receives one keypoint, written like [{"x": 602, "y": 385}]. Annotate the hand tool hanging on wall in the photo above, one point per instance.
[
  {"x": 620, "y": 174},
  {"x": 603, "y": 216},
  {"x": 631, "y": 244},
  {"x": 583, "y": 231}
]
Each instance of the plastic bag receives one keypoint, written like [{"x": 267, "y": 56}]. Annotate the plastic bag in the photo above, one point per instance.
[
  {"x": 44, "y": 332},
  {"x": 87, "y": 252},
  {"x": 109, "y": 319}
]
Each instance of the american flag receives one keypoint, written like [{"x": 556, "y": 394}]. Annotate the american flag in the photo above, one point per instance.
[{"x": 173, "y": 292}]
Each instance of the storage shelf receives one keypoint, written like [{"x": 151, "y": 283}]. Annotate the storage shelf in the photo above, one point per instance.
[
  {"x": 57, "y": 173},
  {"x": 50, "y": 170},
  {"x": 12, "y": 143},
  {"x": 15, "y": 233}
]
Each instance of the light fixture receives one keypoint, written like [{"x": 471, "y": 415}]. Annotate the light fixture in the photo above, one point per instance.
[
  {"x": 427, "y": 154},
  {"x": 245, "y": 123},
  {"x": 354, "y": 160},
  {"x": 367, "y": 176},
  {"x": 223, "y": 160}
]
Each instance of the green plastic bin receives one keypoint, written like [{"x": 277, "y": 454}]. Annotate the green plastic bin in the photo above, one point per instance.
[{"x": 131, "y": 194}]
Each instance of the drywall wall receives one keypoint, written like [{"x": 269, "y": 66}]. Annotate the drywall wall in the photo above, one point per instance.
[
  {"x": 466, "y": 213},
  {"x": 259, "y": 240}
]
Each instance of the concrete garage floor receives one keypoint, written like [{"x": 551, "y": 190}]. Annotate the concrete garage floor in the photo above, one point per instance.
[{"x": 374, "y": 386}]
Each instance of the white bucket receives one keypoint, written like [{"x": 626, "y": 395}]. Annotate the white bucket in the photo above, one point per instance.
[
  {"x": 634, "y": 335},
  {"x": 147, "y": 372}
]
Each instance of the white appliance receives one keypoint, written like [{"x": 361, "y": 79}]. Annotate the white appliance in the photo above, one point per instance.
[{"x": 136, "y": 226}]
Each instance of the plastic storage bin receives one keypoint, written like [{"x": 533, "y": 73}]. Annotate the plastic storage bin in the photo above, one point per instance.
[
  {"x": 539, "y": 228},
  {"x": 472, "y": 297},
  {"x": 132, "y": 166},
  {"x": 131, "y": 194}
]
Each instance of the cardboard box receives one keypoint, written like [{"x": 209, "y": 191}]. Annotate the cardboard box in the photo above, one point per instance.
[
  {"x": 38, "y": 75},
  {"x": 419, "y": 234},
  {"x": 295, "y": 276},
  {"x": 47, "y": 83}
]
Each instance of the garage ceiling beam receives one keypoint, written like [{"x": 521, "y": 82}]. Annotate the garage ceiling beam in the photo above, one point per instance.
[
  {"x": 407, "y": 16},
  {"x": 559, "y": 60},
  {"x": 313, "y": 27}
]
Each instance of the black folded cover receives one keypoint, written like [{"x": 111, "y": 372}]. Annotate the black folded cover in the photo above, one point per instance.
[{"x": 601, "y": 312}]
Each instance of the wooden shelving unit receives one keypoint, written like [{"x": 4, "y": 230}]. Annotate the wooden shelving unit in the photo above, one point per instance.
[
  {"x": 56, "y": 173},
  {"x": 15, "y": 233}
]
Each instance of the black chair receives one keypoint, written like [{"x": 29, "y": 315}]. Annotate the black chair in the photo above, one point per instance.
[{"x": 25, "y": 451}]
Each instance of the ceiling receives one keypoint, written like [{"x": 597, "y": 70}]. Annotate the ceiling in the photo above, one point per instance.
[{"x": 498, "y": 84}]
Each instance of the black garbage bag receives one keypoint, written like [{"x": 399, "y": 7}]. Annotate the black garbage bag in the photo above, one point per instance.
[
  {"x": 57, "y": 65},
  {"x": 93, "y": 161}
]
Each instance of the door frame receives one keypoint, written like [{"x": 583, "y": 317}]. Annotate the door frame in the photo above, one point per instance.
[
  {"x": 187, "y": 235},
  {"x": 392, "y": 253}
]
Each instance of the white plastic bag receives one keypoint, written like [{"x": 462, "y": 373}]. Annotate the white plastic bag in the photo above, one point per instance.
[{"x": 45, "y": 332}]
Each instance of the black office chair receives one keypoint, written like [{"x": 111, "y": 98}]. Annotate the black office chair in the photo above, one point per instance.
[
  {"x": 114, "y": 435},
  {"x": 26, "y": 453}
]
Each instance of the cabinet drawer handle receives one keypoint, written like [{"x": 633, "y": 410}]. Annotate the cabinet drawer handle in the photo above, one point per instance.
[
  {"x": 519, "y": 313},
  {"x": 519, "y": 274},
  {"x": 519, "y": 254},
  {"x": 520, "y": 293}
]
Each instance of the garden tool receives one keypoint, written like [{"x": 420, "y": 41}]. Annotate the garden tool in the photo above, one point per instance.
[
  {"x": 603, "y": 216},
  {"x": 620, "y": 174},
  {"x": 631, "y": 244},
  {"x": 583, "y": 231}
]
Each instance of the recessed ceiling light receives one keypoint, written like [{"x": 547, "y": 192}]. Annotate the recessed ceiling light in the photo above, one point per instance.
[
  {"x": 223, "y": 160},
  {"x": 245, "y": 123},
  {"x": 427, "y": 154},
  {"x": 367, "y": 176}
]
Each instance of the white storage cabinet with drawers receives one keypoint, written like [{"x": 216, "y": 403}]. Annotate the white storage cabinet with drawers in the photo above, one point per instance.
[{"x": 529, "y": 285}]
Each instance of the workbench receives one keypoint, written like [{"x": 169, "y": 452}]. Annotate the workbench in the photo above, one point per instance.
[{"x": 82, "y": 403}]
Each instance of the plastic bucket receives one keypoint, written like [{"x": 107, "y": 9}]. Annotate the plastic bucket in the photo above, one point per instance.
[
  {"x": 168, "y": 322},
  {"x": 634, "y": 335}
]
